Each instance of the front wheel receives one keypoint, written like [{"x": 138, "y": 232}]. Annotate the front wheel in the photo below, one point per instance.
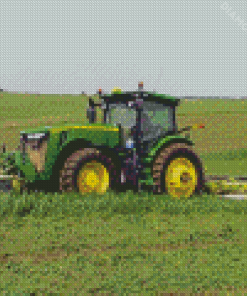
[
  {"x": 178, "y": 171},
  {"x": 88, "y": 170},
  {"x": 93, "y": 177}
]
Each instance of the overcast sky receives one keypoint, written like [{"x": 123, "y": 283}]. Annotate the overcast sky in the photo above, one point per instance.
[{"x": 175, "y": 47}]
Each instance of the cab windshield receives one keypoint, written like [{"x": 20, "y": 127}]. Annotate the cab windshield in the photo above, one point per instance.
[
  {"x": 157, "y": 120},
  {"x": 121, "y": 114}
]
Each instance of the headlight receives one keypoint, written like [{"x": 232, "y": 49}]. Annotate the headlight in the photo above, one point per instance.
[{"x": 35, "y": 147}]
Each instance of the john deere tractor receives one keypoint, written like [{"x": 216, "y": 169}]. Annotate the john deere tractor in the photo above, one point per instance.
[{"x": 137, "y": 146}]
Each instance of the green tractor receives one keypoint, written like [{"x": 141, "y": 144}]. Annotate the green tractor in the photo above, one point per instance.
[{"x": 136, "y": 147}]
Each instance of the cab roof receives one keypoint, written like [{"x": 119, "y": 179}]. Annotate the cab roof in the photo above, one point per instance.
[{"x": 147, "y": 96}]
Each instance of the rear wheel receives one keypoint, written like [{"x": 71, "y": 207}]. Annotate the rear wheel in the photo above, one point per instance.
[
  {"x": 178, "y": 171},
  {"x": 86, "y": 171}
]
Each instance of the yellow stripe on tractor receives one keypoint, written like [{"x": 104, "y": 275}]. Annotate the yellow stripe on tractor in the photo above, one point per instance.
[{"x": 99, "y": 128}]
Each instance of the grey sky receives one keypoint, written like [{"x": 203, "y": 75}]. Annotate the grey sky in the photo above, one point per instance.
[{"x": 174, "y": 47}]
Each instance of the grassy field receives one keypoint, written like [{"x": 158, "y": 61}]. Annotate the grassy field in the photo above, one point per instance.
[
  {"x": 126, "y": 244},
  {"x": 122, "y": 244},
  {"x": 222, "y": 144}
]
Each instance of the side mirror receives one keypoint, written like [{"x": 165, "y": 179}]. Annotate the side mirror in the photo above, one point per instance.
[
  {"x": 91, "y": 112},
  {"x": 91, "y": 115}
]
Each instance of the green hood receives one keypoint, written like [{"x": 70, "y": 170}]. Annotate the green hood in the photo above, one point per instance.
[{"x": 68, "y": 127}]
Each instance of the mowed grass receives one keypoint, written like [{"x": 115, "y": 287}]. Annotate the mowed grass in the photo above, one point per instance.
[{"x": 122, "y": 244}]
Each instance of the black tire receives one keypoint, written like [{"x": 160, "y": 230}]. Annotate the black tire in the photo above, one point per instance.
[
  {"x": 165, "y": 157},
  {"x": 69, "y": 173}
]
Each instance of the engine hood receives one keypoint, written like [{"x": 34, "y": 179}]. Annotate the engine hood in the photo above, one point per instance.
[{"x": 68, "y": 127}]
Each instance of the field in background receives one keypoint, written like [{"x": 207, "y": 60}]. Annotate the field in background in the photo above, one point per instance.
[{"x": 222, "y": 145}]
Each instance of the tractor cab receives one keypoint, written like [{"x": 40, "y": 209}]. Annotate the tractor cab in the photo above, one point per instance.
[{"x": 143, "y": 116}]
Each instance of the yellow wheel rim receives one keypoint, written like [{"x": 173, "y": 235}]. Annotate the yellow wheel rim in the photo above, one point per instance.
[
  {"x": 93, "y": 177},
  {"x": 16, "y": 185},
  {"x": 181, "y": 178}
]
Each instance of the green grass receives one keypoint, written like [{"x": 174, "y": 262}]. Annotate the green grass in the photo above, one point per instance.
[
  {"x": 222, "y": 144},
  {"x": 121, "y": 244},
  {"x": 124, "y": 244},
  {"x": 229, "y": 162}
]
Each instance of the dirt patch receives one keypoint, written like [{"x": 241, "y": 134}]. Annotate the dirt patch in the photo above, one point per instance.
[
  {"x": 59, "y": 253},
  {"x": 12, "y": 123}
]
